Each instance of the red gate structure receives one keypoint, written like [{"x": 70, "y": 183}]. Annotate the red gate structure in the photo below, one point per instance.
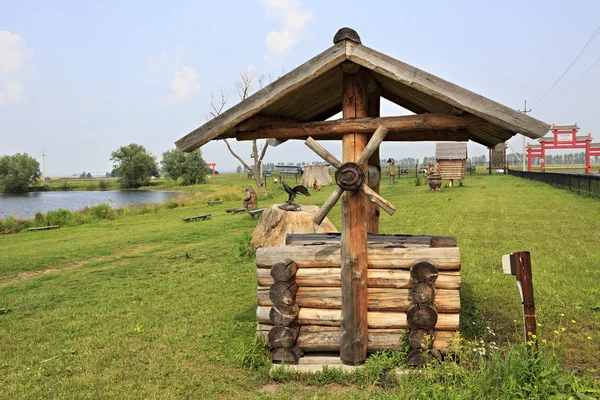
[
  {"x": 564, "y": 137},
  {"x": 212, "y": 165}
]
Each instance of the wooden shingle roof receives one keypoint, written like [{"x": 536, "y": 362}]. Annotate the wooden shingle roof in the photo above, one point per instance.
[
  {"x": 313, "y": 92},
  {"x": 450, "y": 151}
]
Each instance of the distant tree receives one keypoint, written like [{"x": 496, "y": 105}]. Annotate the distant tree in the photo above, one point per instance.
[
  {"x": 243, "y": 88},
  {"x": 239, "y": 169},
  {"x": 134, "y": 165},
  {"x": 82, "y": 175},
  {"x": 17, "y": 172},
  {"x": 190, "y": 167},
  {"x": 89, "y": 175}
]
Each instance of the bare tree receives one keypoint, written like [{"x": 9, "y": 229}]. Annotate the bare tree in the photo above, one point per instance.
[{"x": 243, "y": 88}]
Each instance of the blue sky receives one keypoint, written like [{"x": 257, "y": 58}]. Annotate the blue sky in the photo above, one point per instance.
[{"x": 79, "y": 79}]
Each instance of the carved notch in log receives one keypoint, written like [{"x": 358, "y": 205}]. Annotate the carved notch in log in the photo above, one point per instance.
[
  {"x": 284, "y": 271},
  {"x": 421, "y": 317},
  {"x": 283, "y": 293},
  {"x": 424, "y": 271},
  {"x": 423, "y": 293},
  {"x": 284, "y": 315},
  {"x": 286, "y": 355},
  {"x": 284, "y": 336}
]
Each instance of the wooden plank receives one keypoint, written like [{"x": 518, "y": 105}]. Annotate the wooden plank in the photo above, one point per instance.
[
  {"x": 445, "y": 91},
  {"x": 254, "y": 213},
  {"x": 382, "y": 278},
  {"x": 196, "y": 218},
  {"x": 283, "y": 128},
  {"x": 303, "y": 239},
  {"x": 283, "y": 86},
  {"x": 43, "y": 228},
  {"x": 328, "y": 255},
  {"x": 236, "y": 210}
]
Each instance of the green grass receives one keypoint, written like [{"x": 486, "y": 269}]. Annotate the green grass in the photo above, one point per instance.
[{"x": 115, "y": 309}]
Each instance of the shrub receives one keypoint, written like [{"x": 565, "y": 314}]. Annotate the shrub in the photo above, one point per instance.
[
  {"x": 104, "y": 185},
  {"x": 102, "y": 211},
  {"x": 418, "y": 181},
  {"x": 245, "y": 247},
  {"x": 171, "y": 205},
  {"x": 59, "y": 217}
]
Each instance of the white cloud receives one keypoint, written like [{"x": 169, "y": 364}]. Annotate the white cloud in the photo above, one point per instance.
[
  {"x": 157, "y": 65},
  {"x": 13, "y": 60},
  {"x": 11, "y": 51},
  {"x": 184, "y": 78},
  {"x": 292, "y": 16},
  {"x": 185, "y": 83}
]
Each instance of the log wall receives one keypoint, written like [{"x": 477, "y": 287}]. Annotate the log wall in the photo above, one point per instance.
[{"x": 411, "y": 285}]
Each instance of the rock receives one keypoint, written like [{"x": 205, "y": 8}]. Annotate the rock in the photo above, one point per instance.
[{"x": 275, "y": 224}]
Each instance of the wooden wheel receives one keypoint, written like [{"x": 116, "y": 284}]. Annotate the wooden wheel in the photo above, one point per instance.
[{"x": 350, "y": 176}]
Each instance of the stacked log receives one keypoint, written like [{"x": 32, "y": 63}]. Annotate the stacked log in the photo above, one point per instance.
[
  {"x": 283, "y": 312},
  {"x": 422, "y": 315},
  {"x": 413, "y": 284}
]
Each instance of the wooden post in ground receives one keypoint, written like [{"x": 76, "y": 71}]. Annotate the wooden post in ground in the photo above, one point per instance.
[
  {"x": 522, "y": 261},
  {"x": 353, "y": 341}
]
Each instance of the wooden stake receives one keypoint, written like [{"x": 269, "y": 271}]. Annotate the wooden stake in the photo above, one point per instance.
[
  {"x": 524, "y": 275},
  {"x": 353, "y": 343}
]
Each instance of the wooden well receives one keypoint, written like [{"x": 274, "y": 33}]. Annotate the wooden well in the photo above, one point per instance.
[
  {"x": 355, "y": 292},
  {"x": 413, "y": 285}
]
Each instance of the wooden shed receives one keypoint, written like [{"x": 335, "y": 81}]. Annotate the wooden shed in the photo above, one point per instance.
[
  {"x": 452, "y": 160},
  {"x": 325, "y": 293},
  {"x": 497, "y": 158}
]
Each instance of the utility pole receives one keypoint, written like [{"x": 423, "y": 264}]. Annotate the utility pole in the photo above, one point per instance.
[
  {"x": 524, "y": 111},
  {"x": 43, "y": 167}
]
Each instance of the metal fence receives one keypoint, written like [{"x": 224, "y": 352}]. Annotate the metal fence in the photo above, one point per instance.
[{"x": 579, "y": 183}]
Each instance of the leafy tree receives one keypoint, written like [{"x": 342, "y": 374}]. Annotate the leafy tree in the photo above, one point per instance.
[
  {"x": 239, "y": 169},
  {"x": 17, "y": 172},
  {"x": 89, "y": 175},
  {"x": 190, "y": 167},
  {"x": 134, "y": 165}
]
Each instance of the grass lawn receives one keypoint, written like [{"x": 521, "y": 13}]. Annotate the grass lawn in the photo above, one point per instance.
[{"x": 147, "y": 306}]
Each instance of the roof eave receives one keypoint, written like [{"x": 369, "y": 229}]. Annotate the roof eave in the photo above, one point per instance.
[{"x": 245, "y": 109}]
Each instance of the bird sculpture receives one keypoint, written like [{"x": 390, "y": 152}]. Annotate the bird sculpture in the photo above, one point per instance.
[{"x": 293, "y": 192}]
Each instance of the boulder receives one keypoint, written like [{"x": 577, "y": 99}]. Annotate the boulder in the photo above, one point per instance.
[{"x": 275, "y": 224}]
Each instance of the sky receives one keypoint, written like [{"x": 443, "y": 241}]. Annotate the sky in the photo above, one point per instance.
[{"x": 79, "y": 79}]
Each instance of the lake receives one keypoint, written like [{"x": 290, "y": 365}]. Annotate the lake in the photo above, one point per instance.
[{"x": 27, "y": 204}]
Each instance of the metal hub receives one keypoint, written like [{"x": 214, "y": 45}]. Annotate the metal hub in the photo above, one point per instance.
[{"x": 350, "y": 176}]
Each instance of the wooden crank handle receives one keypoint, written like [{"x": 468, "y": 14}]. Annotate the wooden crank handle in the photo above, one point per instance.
[
  {"x": 322, "y": 152},
  {"x": 373, "y": 144},
  {"x": 377, "y": 199},
  {"x": 328, "y": 205}
]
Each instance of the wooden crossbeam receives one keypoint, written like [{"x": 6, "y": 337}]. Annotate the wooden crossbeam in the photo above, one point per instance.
[{"x": 404, "y": 128}]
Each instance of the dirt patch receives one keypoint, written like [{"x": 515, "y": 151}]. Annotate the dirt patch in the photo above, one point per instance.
[
  {"x": 270, "y": 388},
  {"x": 75, "y": 266}
]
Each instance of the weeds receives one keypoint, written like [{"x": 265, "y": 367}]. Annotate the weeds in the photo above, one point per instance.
[{"x": 245, "y": 247}]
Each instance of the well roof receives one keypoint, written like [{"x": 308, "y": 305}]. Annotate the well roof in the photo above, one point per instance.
[{"x": 313, "y": 92}]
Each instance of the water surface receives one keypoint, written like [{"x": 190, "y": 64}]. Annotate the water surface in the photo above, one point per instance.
[{"x": 27, "y": 204}]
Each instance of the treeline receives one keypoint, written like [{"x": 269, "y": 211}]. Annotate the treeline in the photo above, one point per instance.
[{"x": 133, "y": 166}]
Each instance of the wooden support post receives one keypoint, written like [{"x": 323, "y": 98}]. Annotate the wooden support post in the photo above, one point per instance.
[
  {"x": 353, "y": 343},
  {"x": 373, "y": 109},
  {"x": 522, "y": 260}
]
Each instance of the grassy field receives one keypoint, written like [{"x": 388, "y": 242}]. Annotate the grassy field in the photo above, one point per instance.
[{"x": 146, "y": 306}]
